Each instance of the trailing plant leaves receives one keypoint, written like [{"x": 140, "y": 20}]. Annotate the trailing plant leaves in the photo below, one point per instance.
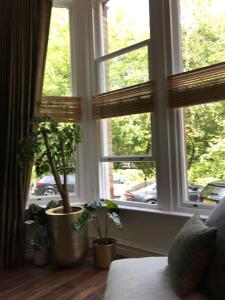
[
  {"x": 82, "y": 220},
  {"x": 37, "y": 213},
  {"x": 41, "y": 239}
]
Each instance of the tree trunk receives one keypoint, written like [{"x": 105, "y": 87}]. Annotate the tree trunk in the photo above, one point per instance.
[{"x": 63, "y": 193}]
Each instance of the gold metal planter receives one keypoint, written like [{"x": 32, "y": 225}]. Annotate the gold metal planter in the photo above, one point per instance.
[
  {"x": 68, "y": 247},
  {"x": 104, "y": 254}
]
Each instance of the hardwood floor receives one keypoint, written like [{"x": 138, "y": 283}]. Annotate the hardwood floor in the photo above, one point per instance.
[{"x": 50, "y": 283}]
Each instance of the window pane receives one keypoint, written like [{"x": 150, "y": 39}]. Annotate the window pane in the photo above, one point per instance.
[
  {"x": 205, "y": 127},
  {"x": 122, "y": 28},
  {"x": 57, "y": 77},
  {"x": 128, "y": 135},
  {"x": 44, "y": 189},
  {"x": 131, "y": 181},
  {"x": 126, "y": 70},
  {"x": 202, "y": 30}
]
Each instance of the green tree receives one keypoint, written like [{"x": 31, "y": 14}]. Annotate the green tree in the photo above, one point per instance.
[
  {"x": 57, "y": 77},
  {"x": 131, "y": 135},
  {"x": 203, "y": 44}
]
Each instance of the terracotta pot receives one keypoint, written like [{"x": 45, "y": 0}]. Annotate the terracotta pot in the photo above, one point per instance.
[
  {"x": 41, "y": 257},
  {"x": 104, "y": 254},
  {"x": 68, "y": 247}
]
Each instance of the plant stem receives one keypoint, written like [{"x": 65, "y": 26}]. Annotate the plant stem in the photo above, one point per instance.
[
  {"x": 64, "y": 195},
  {"x": 98, "y": 227},
  {"x": 106, "y": 226},
  {"x": 64, "y": 167}
]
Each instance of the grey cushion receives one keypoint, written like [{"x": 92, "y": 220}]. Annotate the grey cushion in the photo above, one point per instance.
[
  {"x": 142, "y": 279},
  {"x": 217, "y": 219},
  {"x": 190, "y": 254},
  {"x": 215, "y": 276}
]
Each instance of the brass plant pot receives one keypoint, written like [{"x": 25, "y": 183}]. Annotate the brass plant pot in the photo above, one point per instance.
[
  {"x": 104, "y": 254},
  {"x": 68, "y": 247}
]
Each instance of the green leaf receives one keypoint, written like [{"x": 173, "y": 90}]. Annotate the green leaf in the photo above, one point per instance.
[
  {"x": 116, "y": 220},
  {"x": 111, "y": 206},
  {"x": 82, "y": 220}
]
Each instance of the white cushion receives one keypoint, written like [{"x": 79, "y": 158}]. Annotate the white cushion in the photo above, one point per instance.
[{"x": 142, "y": 279}]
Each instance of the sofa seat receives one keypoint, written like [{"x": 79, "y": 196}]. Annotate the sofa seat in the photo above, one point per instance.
[{"x": 142, "y": 279}]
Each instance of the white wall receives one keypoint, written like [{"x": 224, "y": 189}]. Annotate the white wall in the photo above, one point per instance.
[{"x": 145, "y": 233}]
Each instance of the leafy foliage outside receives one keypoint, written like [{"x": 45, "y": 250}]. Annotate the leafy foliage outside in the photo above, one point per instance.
[
  {"x": 57, "y": 79},
  {"x": 203, "y": 44}
]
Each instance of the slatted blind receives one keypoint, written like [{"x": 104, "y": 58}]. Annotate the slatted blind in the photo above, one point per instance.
[
  {"x": 126, "y": 101},
  {"x": 63, "y": 109},
  {"x": 196, "y": 87}
]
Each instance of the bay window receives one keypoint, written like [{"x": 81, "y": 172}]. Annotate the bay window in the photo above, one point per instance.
[{"x": 151, "y": 78}]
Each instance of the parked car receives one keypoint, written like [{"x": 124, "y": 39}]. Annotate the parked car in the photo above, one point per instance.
[
  {"x": 120, "y": 185},
  {"x": 145, "y": 194},
  {"x": 213, "y": 192},
  {"x": 148, "y": 193},
  {"x": 46, "y": 185}
]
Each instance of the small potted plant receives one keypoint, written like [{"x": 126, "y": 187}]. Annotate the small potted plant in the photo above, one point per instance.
[
  {"x": 36, "y": 214},
  {"x": 41, "y": 247},
  {"x": 104, "y": 247},
  {"x": 51, "y": 147}
]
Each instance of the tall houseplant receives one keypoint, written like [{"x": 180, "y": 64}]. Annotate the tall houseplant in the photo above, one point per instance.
[{"x": 51, "y": 148}]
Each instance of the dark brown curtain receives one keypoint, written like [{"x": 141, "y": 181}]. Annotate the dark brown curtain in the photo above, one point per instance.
[{"x": 24, "y": 26}]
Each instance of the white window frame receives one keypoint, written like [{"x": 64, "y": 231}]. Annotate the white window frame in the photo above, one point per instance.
[
  {"x": 100, "y": 58},
  {"x": 171, "y": 149}
]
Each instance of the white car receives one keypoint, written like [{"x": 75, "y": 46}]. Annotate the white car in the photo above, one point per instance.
[{"x": 146, "y": 194}]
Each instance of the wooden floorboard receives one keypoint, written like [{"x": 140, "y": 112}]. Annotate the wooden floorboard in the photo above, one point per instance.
[{"x": 82, "y": 282}]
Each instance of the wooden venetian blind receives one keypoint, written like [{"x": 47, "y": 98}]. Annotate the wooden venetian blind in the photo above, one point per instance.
[
  {"x": 63, "y": 109},
  {"x": 126, "y": 101},
  {"x": 196, "y": 87}
]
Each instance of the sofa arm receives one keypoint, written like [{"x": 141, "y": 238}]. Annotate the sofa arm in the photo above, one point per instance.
[{"x": 143, "y": 279}]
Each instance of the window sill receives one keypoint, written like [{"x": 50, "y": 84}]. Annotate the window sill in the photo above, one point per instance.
[{"x": 153, "y": 209}]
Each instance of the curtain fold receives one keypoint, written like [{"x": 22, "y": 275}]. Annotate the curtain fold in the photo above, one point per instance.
[{"x": 24, "y": 27}]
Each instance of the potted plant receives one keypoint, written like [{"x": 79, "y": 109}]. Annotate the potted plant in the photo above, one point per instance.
[
  {"x": 51, "y": 147},
  {"x": 104, "y": 247},
  {"x": 36, "y": 214}
]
